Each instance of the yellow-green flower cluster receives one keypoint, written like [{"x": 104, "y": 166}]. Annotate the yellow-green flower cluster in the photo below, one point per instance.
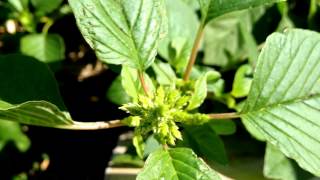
[{"x": 159, "y": 114}]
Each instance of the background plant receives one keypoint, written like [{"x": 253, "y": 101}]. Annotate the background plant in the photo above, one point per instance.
[{"x": 282, "y": 104}]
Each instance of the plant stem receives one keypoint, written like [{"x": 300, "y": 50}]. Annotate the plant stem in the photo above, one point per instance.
[
  {"x": 47, "y": 25},
  {"x": 165, "y": 146},
  {"x": 224, "y": 116},
  {"x": 117, "y": 123},
  {"x": 312, "y": 12},
  {"x": 194, "y": 53},
  {"x": 92, "y": 125},
  {"x": 143, "y": 83}
]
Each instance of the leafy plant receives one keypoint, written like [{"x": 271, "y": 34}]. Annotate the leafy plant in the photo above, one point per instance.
[
  {"x": 42, "y": 45},
  {"x": 163, "y": 93}
]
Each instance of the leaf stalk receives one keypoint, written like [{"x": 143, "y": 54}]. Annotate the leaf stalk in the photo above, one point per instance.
[
  {"x": 143, "y": 83},
  {"x": 194, "y": 53},
  {"x": 224, "y": 116}
]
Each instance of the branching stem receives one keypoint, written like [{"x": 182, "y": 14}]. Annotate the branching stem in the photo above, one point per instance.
[
  {"x": 194, "y": 53},
  {"x": 117, "y": 123}
]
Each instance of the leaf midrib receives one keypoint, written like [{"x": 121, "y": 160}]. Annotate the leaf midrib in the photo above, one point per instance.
[
  {"x": 288, "y": 102},
  {"x": 116, "y": 31}
]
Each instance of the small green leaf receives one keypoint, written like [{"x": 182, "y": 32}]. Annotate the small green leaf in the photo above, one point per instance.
[
  {"x": 224, "y": 127},
  {"x": 46, "y": 6},
  {"x": 242, "y": 83},
  {"x": 11, "y": 131},
  {"x": 211, "y": 9},
  {"x": 138, "y": 144},
  {"x": 164, "y": 73},
  {"x": 200, "y": 91},
  {"x": 281, "y": 105},
  {"x": 116, "y": 93},
  {"x": 132, "y": 121},
  {"x": 151, "y": 145},
  {"x": 131, "y": 83},
  {"x": 206, "y": 143},
  {"x": 277, "y": 165},
  {"x": 183, "y": 22},
  {"x": 47, "y": 48},
  {"x": 177, "y": 163},
  {"x": 122, "y": 31}
]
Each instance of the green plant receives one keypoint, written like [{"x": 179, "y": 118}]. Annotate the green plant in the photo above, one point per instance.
[
  {"x": 26, "y": 17},
  {"x": 282, "y": 107}
]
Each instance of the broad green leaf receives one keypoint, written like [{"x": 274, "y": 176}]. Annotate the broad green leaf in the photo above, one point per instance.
[
  {"x": 131, "y": 83},
  {"x": 44, "y": 47},
  {"x": 116, "y": 93},
  {"x": 211, "y": 9},
  {"x": 250, "y": 43},
  {"x": 277, "y": 165},
  {"x": 224, "y": 127},
  {"x": 38, "y": 113},
  {"x": 242, "y": 82},
  {"x": 19, "y": 5},
  {"x": 200, "y": 91},
  {"x": 177, "y": 163},
  {"x": 25, "y": 79},
  {"x": 164, "y": 73},
  {"x": 316, "y": 88},
  {"x": 206, "y": 143},
  {"x": 281, "y": 105},
  {"x": 226, "y": 38},
  {"x": 122, "y": 31},
  {"x": 11, "y": 131},
  {"x": 183, "y": 23},
  {"x": 251, "y": 128},
  {"x": 46, "y": 6},
  {"x": 27, "y": 86}
]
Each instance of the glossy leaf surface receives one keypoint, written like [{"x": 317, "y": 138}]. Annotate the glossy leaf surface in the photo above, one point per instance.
[
  {"x": 177, "y": 163},
  {"x": 281, "y": 105},
  {"x": 122, "y": 32}
]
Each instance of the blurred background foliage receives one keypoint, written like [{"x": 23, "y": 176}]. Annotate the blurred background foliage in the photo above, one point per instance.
[{"x": 46, "y": 31}]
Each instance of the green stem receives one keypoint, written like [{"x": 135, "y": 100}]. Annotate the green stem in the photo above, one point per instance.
[
  {"x": 48, "y": 23},
  {"x": 92, "y": 125},
  {"x": 194, "y": 53},
  {"x": 165, "y": 146},
  {"x": 143, "y": 83},
  {"x": 117, "y": 123},
  {"x": 224, "y": 116},
  {"x": 312, "y": 12}
]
